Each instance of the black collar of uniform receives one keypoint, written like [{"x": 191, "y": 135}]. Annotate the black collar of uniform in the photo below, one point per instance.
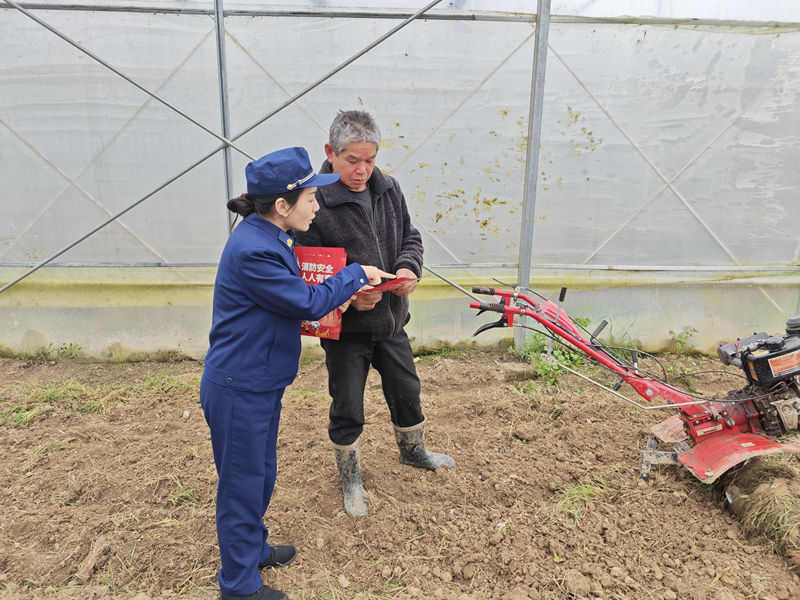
[
  {"x": 286, "y": 239},
  {"x": 335, "y": 195}
]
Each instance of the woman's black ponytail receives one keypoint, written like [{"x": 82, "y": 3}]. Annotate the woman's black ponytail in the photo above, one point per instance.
[
  {"x": 250, "y": 203},
  {"x": 242, "y": 205}
]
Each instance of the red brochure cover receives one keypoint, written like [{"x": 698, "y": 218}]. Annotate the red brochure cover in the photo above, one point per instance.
[
  {"x": 316, "y": 265},
  {"x": 388, "y": 285}
]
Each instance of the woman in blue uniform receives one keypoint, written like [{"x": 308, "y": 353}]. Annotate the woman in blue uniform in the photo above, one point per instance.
[{"x": 259, "y": 301}]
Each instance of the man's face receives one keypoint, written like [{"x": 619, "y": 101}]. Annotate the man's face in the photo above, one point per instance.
[{"x": 354, "y": 163}]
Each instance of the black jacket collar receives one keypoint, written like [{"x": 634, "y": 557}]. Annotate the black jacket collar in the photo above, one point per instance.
[{"x": 335, "y": 195}]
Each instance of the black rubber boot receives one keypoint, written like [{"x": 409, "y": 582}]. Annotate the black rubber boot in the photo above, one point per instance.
[
  {"x": 411, "y": 441},
  {"x": 265, "y": 593},
  {"x": 348, "y": 459}
]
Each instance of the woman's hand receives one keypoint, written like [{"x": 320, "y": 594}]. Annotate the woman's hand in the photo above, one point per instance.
[{"x": 374, "y": 274}]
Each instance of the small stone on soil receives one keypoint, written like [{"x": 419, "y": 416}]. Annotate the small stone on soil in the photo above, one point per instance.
[
  {"x": 658, "y": 575},
  {"x": 617, "y": 573}
]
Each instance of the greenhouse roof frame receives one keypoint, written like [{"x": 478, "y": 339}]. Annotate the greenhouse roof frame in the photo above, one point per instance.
[
  {"x": 441, "y": 15},
  {"x": 227, "y": 143},
  {"x": 421, "y": 14}
]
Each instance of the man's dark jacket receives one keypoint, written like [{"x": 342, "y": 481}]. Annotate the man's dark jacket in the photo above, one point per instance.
[{"x": 391, "y": 244}]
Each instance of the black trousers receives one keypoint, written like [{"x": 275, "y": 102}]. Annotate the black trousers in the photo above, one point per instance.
[{"x": 348, "y": 360}]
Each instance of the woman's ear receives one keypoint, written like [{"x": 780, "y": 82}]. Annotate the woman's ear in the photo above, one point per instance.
[{"x": 282, "y": 207}]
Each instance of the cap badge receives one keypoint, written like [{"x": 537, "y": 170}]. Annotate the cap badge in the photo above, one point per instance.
[{"x": 291, "y": 186}]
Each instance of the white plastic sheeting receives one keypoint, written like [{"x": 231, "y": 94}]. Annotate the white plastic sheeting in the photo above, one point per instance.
[
  {"x": 78, "y": 143},
  {"x": 666, "y": 144},
  {"x": 662, "y": 144}
]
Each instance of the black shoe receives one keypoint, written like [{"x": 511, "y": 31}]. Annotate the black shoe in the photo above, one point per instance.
[
  {"x": 280, "y": 556},
  {"x": 265, "y": 593}
]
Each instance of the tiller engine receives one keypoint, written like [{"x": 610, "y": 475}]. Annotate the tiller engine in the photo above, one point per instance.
[{"x": 708, "y": 435}]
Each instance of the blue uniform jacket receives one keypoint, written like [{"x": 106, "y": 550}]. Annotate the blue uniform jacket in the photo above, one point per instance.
[{"x": 259, "y": 301}]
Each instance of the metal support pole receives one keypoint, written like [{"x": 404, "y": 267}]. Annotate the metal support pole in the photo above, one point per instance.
[
  {"x": 532, "y": 158},
  {"x": 223, "y": 103}
]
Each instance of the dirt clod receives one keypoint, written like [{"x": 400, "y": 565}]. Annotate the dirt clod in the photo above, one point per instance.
[
  {"x": 99, "y": 548},
  {"x": 576, "y": 583}
]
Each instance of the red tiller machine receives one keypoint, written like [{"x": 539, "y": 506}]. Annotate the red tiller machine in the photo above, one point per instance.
[{"x": 708, "y": 435}]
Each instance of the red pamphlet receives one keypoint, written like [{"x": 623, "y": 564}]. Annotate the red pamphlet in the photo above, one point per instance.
[
  {"x": 316, "y": 265},
  {"x": 388, "y": 285}
]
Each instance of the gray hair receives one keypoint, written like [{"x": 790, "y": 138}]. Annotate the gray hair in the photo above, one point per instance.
[{"x": 353, "y": 126}]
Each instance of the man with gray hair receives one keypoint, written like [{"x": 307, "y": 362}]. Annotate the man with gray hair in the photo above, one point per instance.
[{"x": 365, "y": 212}]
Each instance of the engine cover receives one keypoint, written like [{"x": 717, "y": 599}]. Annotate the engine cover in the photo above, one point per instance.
[
  {"x": 777, "y": 360},
  {"x": 772, "y": 366},
  {"x": 766, "y": 359}
]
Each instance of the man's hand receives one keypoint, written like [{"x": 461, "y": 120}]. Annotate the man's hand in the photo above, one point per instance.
[
  {"x": 366, "y": 300},
  {"x": 346, "y": 305},
  {"x": 409, "y": 286}
]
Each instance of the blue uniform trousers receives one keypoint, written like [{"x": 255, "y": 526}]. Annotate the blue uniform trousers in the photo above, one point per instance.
[{"x": 244, "y": 435}]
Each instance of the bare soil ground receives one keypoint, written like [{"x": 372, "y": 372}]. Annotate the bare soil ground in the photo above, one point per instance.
[{"x": 108, "y": 486}]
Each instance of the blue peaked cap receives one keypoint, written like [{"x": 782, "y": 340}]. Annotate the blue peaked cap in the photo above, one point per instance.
[{"x": 283, "y": 171}]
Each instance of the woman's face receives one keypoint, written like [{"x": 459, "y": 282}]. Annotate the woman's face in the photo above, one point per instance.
[{"x": 303, "y": 211}]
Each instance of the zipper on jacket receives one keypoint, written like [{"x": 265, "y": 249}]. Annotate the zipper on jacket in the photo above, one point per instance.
[{"x": 374, "y": 229}]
